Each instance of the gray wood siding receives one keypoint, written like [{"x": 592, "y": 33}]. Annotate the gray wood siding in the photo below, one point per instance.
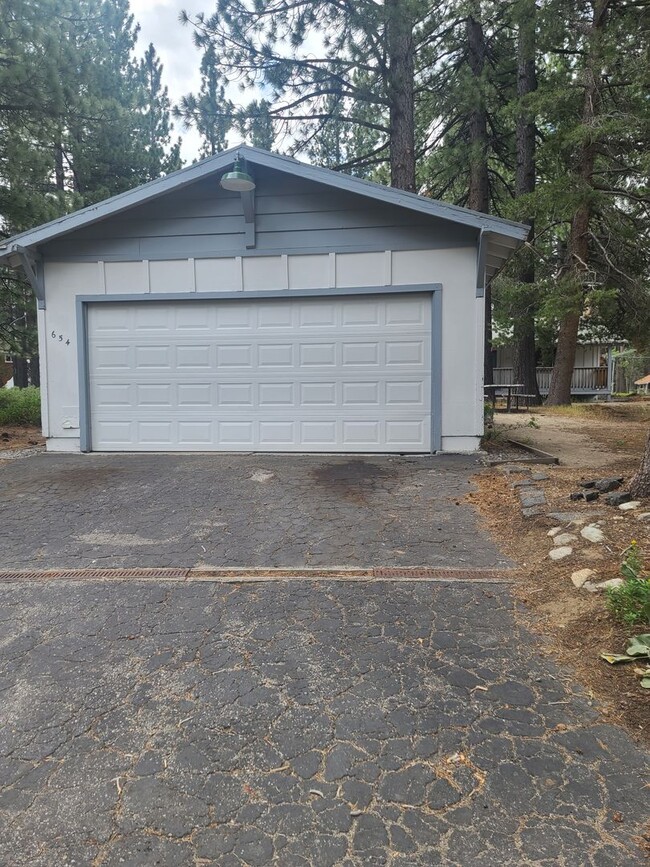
[{"x": 292, "y": 215}]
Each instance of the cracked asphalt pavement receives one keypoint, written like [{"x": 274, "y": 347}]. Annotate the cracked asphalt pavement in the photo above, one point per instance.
[
  {"x": 159, "y": 510},
  {"x": 299, "y": 724}
]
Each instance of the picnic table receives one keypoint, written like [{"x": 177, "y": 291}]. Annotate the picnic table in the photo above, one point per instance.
[{"x": 514, "y": 387}]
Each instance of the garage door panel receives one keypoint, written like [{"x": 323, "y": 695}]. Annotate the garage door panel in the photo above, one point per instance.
[
  {"x": 194, "y": 394},
  {"x": 270, "y": 375}
]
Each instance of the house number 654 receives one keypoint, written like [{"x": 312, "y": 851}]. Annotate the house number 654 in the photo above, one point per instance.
[{"x": 60, "y": 338}]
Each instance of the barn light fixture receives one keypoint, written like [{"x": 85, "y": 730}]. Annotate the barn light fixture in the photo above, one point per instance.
[{"x": 238, "y": 181}]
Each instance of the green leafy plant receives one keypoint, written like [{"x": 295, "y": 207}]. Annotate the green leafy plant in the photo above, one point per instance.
[
  {"x": 20, "y": 406},
  {"x": 630, "y": 603},
  {"x": 637, "y": 650},
  {"x": 533, "y": 423},
  {"x": 488, "y": 413}
]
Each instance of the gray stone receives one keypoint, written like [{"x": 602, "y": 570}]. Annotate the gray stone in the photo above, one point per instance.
[
  {"x": 531, "y": 512},
  {"x": 569, "y": 517},
  {"x": 581, "y": 576},
  {"x": 617, "y": 499},
  {"x": 540, "y": 477},
  {"x": 560, "y": 553},
  {"x": 554, "y": 531},
  {"x": 630, "y": 505},
  {"x": 607, "y": 485},
  {"x": 590, "y": 496},
  {"x": 532, "y": 497},
  {"x": 592, "y": 533},
  {"x": 643, "y": 516},
  {"x": 522, "y": 483},
  {"x": 564, "y": 539},
  {"x": 610, "y": 584}
]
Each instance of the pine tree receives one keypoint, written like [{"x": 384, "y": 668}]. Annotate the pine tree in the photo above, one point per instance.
[
  {"x": 162, "y": 156},
  {"x": 369, "y": 59},
  {"x": 76, "y": 124},
  {"x": 596, "y": 132},
  {"x": 211, "y": 113}
]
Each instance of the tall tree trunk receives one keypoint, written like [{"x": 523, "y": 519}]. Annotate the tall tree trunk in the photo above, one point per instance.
[
  {"x": 640, "y": 484},
  {"x": 59, "y": 171},
  {"x": 478, "y": 197},
  {"x": 34, "y": 371},
  {"x": 524, "y": 361},
  {"x": 578, "y": 247},
  {"x": 21, "y": 377},
  {"x": 401, "y": 73}
]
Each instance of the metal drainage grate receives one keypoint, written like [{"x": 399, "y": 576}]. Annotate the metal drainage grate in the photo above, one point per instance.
[
  {"x": 235, "y": 575},
  {"x": 98, "y": 574},
  {"x": 450, "y": 574}
]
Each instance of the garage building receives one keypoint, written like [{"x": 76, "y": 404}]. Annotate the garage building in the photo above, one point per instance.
[{"x": 251, "y": 302}]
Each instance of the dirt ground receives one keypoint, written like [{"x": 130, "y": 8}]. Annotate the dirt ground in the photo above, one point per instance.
[
  {"x": 12, "y": 438},
  {"x": 592, "y": 441}
]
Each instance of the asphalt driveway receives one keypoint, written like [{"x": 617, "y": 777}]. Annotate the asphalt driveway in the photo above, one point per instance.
[
  {"x": 299, "y": 724},
  {"x": 83, "y": 511}
]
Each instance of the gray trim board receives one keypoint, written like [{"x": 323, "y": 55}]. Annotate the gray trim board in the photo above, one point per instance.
[
  {"x": 436, "y": 371},
  {"x": 433, "y": 289},
  {"x": 241, "y": 295},
  {"x": 481, "y": 256},
  {"x": 85, "y": 443},
  {"x": 208, "y": 251}
]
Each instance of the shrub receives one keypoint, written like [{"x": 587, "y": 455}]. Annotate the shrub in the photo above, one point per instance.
[
  {"x": 20, "y": 406},
  {"x": 630, "y": 603}
]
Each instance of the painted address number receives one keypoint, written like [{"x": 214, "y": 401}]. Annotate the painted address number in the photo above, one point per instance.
[{"x": 60, "y": 338}]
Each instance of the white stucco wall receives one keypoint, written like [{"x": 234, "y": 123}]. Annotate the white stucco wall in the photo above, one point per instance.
[{"x": 455, "y": 269}]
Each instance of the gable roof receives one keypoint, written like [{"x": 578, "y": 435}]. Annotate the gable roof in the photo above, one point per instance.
[{"x": 503, "y": 236}]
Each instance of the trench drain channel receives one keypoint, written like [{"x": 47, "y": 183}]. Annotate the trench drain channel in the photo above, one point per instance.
[{"x": 237, "y": 575}]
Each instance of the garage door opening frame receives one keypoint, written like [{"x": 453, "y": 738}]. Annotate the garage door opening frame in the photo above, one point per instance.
[{"x": 432, "y": 289}]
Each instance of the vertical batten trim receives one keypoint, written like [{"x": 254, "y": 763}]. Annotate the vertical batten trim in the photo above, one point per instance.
[
  {"x": 332, "y": 270},
  {"x": 240, "y": 271},
  {"x": 388, "y": 263},
  {"x": 85, "y": 440},
  {"x": 102, "y": 276},
  {"x": 479, "y": 348},
  {"x": 192, "y": 275},
  {"x": 285, "y": 270},
  {"x": 436, "y": 369},
  {"x": 147, "y": 275},
  {"x": 42, "y": 363}
]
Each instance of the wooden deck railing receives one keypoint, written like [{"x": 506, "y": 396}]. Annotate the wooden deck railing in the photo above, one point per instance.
[{"x": 584, "y": 379}]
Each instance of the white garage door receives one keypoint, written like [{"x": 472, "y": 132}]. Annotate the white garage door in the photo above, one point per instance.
[{"x": 339, "y": 374}]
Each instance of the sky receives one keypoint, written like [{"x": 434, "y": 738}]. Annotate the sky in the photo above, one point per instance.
[{"x": 159, "y": 24}]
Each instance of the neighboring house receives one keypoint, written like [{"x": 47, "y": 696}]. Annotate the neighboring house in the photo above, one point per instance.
[
  {"x": 315, "y": 312},
  {"x": 643, "y": 384},
  {"x": 592, "y": 370}
]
